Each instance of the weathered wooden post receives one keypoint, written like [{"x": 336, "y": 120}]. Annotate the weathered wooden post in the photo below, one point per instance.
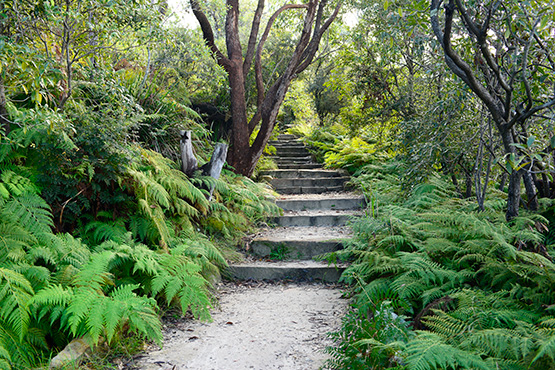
[
  {"x": 188, "y": 160},
  {"x": 214, "y": 167},
  {"x": 189, "y": 163}
]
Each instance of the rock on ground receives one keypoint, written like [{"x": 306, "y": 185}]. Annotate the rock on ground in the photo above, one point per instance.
[{"x": 255, "y": 327}]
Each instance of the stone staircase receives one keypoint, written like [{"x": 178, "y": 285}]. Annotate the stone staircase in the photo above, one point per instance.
[{"x": 316, "y": 209}]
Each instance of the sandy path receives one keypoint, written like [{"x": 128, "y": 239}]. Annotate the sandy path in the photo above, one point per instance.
[{"x": 268, "y": 327}]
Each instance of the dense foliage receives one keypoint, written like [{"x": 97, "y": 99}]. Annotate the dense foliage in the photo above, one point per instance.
[
  {"x": 439, "y": 284},
  {"x": 142, "y": 235},
  {"x": 443, "y": 116},
  {"x": 99, "y": 228}
]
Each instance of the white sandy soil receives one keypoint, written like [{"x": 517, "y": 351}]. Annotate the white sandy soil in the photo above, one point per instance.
[{"x": 259, "y": 327}]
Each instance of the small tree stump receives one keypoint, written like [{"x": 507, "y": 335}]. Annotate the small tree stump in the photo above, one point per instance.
[
  {"x": 214, "y": 167},
  {"x": 216, "y": 164},
  {"x": 189, "y": 162}
]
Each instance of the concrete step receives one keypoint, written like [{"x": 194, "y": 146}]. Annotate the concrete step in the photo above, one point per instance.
[
  {"x": 293, "y": 249},
  {"x": 296, "y": 152},
  {"x": 292, "y": 159},
  {"x": 287, "y": 137},
  {"x": 342, "y": 203},
  {"x": 295, "y": 270},
  {"x": 299, "y": 166},
  {"x": 314, "y": 218},
  {"x": 285, "y": 144},
  {"x": 304, "y": 174},
  {"x": 309, "y": 190},
  {"x": 309, "y": 182}
]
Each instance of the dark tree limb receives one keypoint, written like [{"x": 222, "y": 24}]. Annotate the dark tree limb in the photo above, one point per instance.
[
  {"x": 251, "y": 46},
  {"x": 310, "y": 51},
  {"x": 208, "y": 34},
  {"x": 258, "y": 59}
]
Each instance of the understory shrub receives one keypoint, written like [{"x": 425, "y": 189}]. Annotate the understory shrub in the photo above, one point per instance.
[
  {"x": 144, "y": 237},
  {"x": 475, "y": 291}
]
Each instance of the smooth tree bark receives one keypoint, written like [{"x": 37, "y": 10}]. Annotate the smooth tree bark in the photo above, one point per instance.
[
  {"x": 243, "y": 156},
  {"x": 501, "y": 65}
]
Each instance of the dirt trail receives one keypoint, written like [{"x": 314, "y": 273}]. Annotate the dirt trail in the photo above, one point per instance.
[{"x": 282, "y": 326}]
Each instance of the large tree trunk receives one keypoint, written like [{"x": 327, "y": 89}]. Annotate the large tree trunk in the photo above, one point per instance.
[
  {"x": 240, "y": 147},
  {"x": 243, "y": 157},
  {"x": 513, "y": 195}
]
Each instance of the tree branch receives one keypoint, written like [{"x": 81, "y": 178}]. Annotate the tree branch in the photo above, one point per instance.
[
  {"x": 523, "y": 117},
  {"x": 258, "y": 61},
  {"x": 472, "y": 27},
  {"x": 462, "y": 69},
  {"x": 524, "y": 66},
  {"x": 208, "y": 34},
  {"x": 251, "y": 46},
  {"x": 434, "y": 10},
  {"x": 310, "y": 51},
  {"x": 233, "y": 42}
]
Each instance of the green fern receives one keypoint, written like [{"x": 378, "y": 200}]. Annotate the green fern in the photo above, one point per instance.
[
  {"x": 546, "y": 346},
  {"x": 31, "y": 212},
  {"x": 5, "y": 358},
  {"x": 15, "y": 293},
  {"x": 429, "y": 351},
  {"x": 477, "y": 284},
  {"x": 177, "y": 276},
  {"x": 85, "y": 307},
  {"x": 180, "y": 279}
]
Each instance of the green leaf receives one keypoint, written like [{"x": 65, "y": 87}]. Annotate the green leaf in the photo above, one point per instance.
[
  {"x": 547, "y": 348},
  {"x": 4, "y": 192},
  {"x": 530, "y": 141},
  {"x": 38, "y": 97}
]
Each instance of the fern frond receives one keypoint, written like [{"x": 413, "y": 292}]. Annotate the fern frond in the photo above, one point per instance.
[
  {"x": 71, "y": 251},
  {"x": 5, "y": 358},
  {"x": 31, "y": 212},
  {"x": 22, "y": 354},
  {"x": 15, "y": 184},
  {"x": 48, "y": 299},
  {"x": 14, "y": 239},
  {"x": 546, "y": 349},
  {"x": 502, "y": 343},
  {"x": 181, "y": 279},
  {"x": 15, "y": 293},
  {"x": 430, "y": 352},
  {"x": 95, "y": 274},
  {"x": 102, "y": 231},
  {"x": 140, "y": 311}
]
